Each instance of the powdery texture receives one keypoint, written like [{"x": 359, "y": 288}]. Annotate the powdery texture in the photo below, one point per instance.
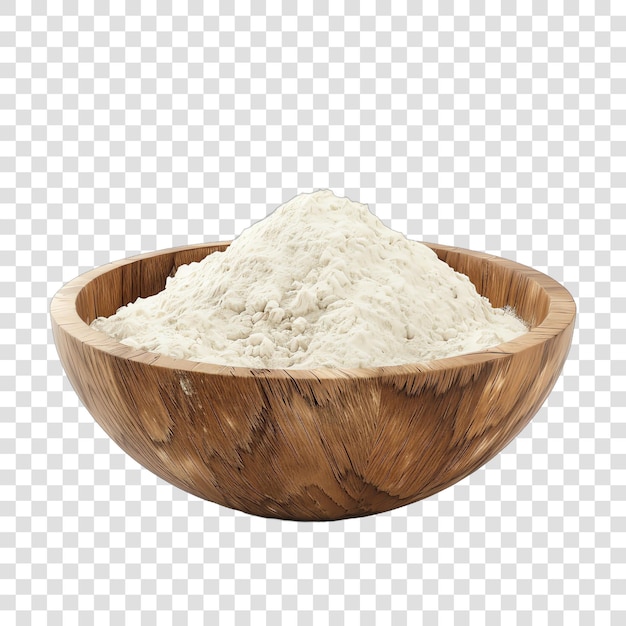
[{"x": 319, "y": 282}]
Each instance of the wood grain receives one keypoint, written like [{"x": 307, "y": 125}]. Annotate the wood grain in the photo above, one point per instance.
[{"x": 317, "y": 444}]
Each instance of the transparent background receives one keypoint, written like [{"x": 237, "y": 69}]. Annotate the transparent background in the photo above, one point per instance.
[{"x": 129, "y": 127}]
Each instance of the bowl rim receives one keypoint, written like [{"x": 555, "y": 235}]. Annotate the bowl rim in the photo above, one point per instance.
[{"x": 561, "y": 314}]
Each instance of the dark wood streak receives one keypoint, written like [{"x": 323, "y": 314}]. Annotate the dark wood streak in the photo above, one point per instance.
[{"x": 312, "y": 444}]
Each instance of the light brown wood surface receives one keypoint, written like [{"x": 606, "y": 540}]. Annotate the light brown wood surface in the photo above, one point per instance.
[{"x": 318, "y": 444}]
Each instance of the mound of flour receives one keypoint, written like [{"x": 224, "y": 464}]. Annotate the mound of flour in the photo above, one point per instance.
[{"x": 319, "y": 282}]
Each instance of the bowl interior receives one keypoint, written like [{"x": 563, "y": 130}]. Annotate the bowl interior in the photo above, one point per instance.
[{"x": 502, "y": 282}]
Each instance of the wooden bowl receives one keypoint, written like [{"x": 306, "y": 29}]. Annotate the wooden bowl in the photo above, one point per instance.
[{"x": 319, "y": 444}]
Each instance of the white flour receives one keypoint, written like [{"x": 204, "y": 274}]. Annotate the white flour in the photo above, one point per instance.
[{"x": 320, "y": 282}]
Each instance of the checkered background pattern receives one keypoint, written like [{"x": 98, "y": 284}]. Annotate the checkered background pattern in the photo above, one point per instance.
[{"x": 128, "y": 127}]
